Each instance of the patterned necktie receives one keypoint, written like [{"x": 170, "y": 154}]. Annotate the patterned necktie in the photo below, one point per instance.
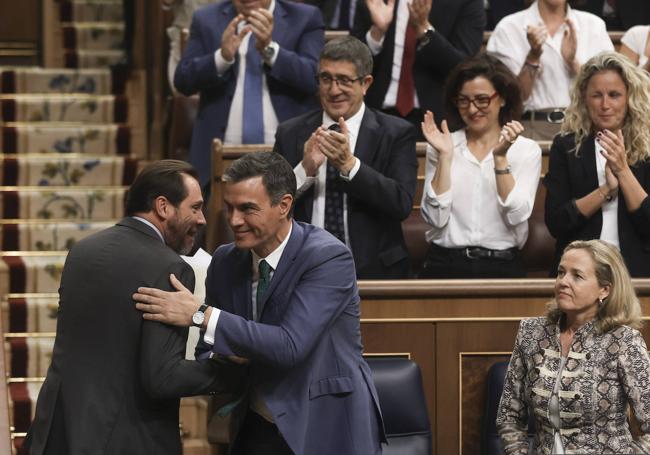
[
  {"x": 334, "y": 199},
  {"x": 406, "y": 88},
  {"x": 252, "y": 116},
  {"x": 262, "y": 285}
]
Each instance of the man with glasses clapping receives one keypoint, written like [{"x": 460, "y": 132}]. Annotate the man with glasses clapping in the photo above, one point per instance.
[{"x": 356, "y": 167}]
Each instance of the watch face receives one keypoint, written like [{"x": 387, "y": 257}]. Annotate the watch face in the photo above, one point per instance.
[{"x": 198, "y": 317}]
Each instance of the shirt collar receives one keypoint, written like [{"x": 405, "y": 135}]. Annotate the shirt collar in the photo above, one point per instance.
[
  {"x": 273, "y": 259},
  {"x": 353, "y": 123},
  {"x": 536, "y": 18},
  {"x": 151, "y": 225}
]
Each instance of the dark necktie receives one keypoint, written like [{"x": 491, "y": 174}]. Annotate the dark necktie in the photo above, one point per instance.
[
  {"x": 406, "y": 88},
  {"x": 252, "y": 116},
  {"x": 344, "y": 15},
  {"x": 262, "y": 285},
  {"x": 334, "y": 199}
]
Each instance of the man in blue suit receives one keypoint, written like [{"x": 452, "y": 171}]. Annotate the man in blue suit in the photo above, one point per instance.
[
  {"x": 283, "y": 298},
  {"x": 248, "y": 59}
]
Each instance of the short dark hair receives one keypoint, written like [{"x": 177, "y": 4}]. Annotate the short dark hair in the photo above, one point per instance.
[
  {"x": 277, "y": 175},
  {"x": 349, "y": 49},
  {"x": 505, "y": 83},
  {"x": 160, "y": 178}
]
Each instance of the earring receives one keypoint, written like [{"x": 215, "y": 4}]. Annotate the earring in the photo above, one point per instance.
[
  {"x": 600, "y": 302},
  {"x": 503, "y": 104}
]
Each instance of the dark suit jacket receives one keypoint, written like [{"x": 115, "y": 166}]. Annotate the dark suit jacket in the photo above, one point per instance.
[
  {"x": 570, "y": 178},
  {"x": 380, "y": 195},
  {"x": 114, "y": 381},
  {"x": 306, "y": 351},
  {"x": 629, "y": 12},
  {"x": 459, "y": 28},
  {"x": 297, "y": 28}
]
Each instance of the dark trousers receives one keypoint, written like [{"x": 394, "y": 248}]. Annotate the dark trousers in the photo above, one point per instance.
[
  {"x": 257, "y": 436},
  {"x": 450, "y": 263}
]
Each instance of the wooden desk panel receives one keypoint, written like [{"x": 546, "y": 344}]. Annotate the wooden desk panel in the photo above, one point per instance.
[{"x": 455, "y": 330}]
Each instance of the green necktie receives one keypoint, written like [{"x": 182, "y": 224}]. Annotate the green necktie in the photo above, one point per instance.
[{"x": 262, "y": 285}]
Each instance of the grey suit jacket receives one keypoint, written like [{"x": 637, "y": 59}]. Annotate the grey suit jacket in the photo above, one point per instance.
[{"x": 115, "y": 379}]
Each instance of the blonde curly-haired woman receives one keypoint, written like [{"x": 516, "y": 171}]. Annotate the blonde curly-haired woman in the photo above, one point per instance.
[{"x": 599, "y": 169}]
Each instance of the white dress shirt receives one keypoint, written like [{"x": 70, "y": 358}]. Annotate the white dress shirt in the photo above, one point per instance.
[
  {"x": 609, "y": 231},
  {"x": 235, "y": 118},
  {"x": 401, "y": 22},
  {"x": 318, "y": 181},
  {"x": 471, "y": 213},
  {"x": 509, "y": 44},
  {"x": 636, "y": 38}
]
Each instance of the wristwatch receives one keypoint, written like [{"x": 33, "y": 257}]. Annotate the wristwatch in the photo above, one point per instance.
[
  {"x": 507, "y": 170},
  {"x": 268, "y": 52},
  {"x": 199, "y": 316},
  {"x": 426, "y": 37}
]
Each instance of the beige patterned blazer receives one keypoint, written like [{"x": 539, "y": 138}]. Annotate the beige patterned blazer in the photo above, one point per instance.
[{"x": 603, "y": 373}]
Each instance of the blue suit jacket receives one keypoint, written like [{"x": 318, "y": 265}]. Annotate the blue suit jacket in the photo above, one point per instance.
[
  {"x": 306, "y": 351},
  {"x": 299, "y": 31}
]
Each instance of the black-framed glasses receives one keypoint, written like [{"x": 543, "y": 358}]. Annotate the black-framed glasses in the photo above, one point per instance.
[
  {"x": 327, "y": 79},
  {"x": 480, "y": 101}
]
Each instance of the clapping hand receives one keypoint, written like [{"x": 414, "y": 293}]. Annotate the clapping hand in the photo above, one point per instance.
[
  {"x": 231, "y": 40},
  {"x": 536, "y": 36},
  {"x": 261, "y": 22},
  {"x": 336, "y": 147},
  {"x": 381, "y": 15},
  {"x": 439, "y": 139},
  {"x": 312, "y": 157},
  {"x": 509, "y": 134},
  {"x": 613, "y": 149},
  {"x": 419, "y": 15},
  {"x": 569, "y": 44}
]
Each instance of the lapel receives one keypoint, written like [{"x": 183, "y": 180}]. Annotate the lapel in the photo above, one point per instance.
[
  {"x": 242, "y": 292},
  {"x": 370, "y": 135},
  {"x": 588, "y": 160},
  {"x": 280, "y": 23},
  {"x": 289, "y": 255}
]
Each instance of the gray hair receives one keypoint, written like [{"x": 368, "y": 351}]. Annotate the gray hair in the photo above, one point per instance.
[{"x": 349, "y": 49}]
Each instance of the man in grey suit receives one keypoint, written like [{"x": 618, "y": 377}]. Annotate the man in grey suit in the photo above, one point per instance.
[{"x": 114, "y": 381}]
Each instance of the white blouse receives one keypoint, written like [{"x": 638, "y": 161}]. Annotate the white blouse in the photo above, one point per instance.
[
  {"x": 636, "y": 38},
  {"x": 509, "y": 44},
  {"x": 471, "y": 213}
]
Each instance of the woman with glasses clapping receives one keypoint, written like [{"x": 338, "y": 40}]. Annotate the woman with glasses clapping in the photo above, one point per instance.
[{"x": 480, "y": 180}]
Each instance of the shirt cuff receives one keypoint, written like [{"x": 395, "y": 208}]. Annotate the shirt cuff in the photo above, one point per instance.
[
  {"x": 353, "y": 171},
  {"x": 303, "y": 181},
  {"x": 221, "y": 63},
  {"x": 374, "y": 45},
  {"x": 438, "y": 200},
  {"x": 211, "y": 327}
]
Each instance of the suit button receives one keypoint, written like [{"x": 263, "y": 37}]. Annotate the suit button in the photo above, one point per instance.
[
  {"x": 536, "y": 370},
  {"x": 576, "y": 396},
  {"x": 588, "y": 356}
]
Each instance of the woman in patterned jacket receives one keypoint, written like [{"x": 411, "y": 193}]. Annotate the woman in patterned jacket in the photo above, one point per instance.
[{"x": 577, "y": 368}]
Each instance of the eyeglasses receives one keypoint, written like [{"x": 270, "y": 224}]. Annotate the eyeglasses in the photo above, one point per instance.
[
  {"x": 480, "y": 101},
  {"x": 326, "y": 79}
]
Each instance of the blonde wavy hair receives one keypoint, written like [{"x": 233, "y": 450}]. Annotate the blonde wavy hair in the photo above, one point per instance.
[
  {"x": 621, "y": 306},
  {"x": 636, "y": 129}
]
